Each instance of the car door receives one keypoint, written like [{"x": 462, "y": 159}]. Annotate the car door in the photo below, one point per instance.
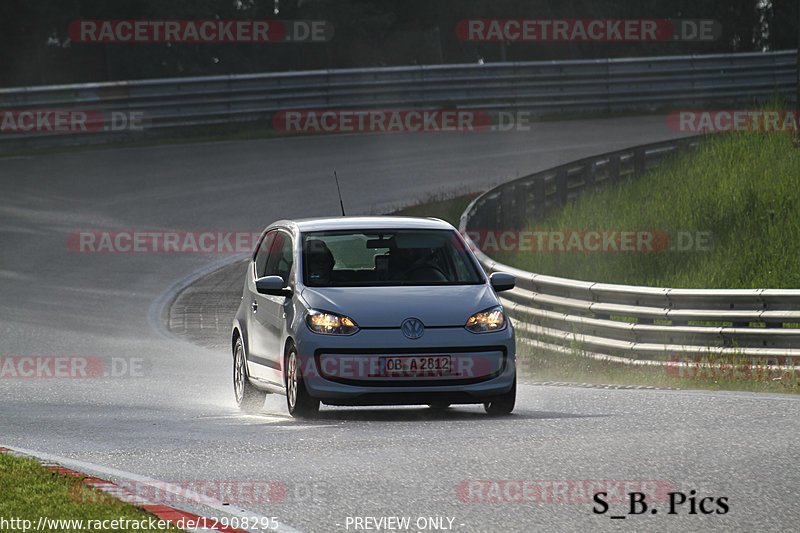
[{"x": 273, "y": 258}]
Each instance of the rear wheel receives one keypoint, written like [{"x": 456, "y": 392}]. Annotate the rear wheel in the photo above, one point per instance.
[
  {"x": 503, "y": 405},
  {"x": 299, "y": 402},
  {"x": 248, "y": 398}
]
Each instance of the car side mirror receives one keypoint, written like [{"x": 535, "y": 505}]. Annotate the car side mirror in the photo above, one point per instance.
[
  {"x": 501, "y": 281},
  {"x": 273, "y": 285}
]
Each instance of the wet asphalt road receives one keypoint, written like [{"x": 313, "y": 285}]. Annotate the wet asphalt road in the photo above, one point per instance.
[{"x": 173, "y": 418}]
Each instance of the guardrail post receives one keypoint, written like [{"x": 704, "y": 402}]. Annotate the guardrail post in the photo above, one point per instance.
[
  {"x": 478, "y": 220},
  {"x": 507, "y": 208},
  {"x": 489, "y": 208},
  {"x": 638, "y": 162},
  {"x": 613, "y": 168},
  {"x": 539, "y": 197},
  {"x": 590, "y": 175},
  {"x": 561, "y": 186},
  {"x": 521, "y": 208}
]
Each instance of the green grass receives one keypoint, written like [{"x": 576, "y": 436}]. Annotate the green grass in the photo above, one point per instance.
[
  {"x": 742, "y": 189},
  {"x": 29, "y": 491}
]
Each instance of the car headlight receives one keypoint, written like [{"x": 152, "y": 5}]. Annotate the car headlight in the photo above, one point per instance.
[
  {"x": 330, "y": 323},
  {"x": 489, "y": 320}
]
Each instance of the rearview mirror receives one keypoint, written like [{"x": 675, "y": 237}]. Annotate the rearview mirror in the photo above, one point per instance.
[
  {"x": 380, "y": 243},
  {"x": 501, "y": 281},
  {"x": 273, "y": 285}
]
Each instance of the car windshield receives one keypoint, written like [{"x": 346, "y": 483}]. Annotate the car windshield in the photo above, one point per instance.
[{"x": 357, "y": 258}]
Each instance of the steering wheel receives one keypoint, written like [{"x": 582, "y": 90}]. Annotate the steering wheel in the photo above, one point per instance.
[{"x": 416, "y": 268}]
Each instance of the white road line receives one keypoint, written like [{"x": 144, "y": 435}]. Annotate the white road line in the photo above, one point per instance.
[{"x": 91, "y": 468}]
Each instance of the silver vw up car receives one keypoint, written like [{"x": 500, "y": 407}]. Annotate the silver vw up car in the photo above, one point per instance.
[{"x": 371, "y": 311}]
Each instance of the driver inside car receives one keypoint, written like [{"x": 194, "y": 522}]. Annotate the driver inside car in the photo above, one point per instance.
[
  {"x": 320, "y": 262},
  {"x": 414, "y": 264}
]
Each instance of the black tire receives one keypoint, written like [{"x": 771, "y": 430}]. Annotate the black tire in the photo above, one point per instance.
[
  {"x": 503, "y": 405},
  {"x": 299, "y": 402},
  {"x": 248, "y": 398}
]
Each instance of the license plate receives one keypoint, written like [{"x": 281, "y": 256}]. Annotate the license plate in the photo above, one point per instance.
[{"x": 416, "y": 366}]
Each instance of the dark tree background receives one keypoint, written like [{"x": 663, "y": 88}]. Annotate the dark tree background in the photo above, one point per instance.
[{"x": 36, "y": 49}]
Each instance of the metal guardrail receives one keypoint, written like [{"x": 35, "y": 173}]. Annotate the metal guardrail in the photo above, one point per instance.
[
  {"x": 634, "y": 322},
  {"x": 542, "y": 87}
]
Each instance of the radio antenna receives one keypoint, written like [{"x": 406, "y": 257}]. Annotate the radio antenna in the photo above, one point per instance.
[{"x": 339, "y": 191}]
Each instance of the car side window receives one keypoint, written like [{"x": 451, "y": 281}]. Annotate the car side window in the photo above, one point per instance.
[
  {"x": 279, "y": 262},
  {"x": 262, "y": 253}
]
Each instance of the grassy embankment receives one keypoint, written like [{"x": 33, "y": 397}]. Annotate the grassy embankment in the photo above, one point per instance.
[
  {"x": 741, "y": 190},
  {"x": 29, "y": 491}
]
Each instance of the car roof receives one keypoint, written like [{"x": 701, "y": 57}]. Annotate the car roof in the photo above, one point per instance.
[{"x": 362, "y": 223}]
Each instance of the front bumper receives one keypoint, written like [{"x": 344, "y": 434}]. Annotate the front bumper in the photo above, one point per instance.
[{"x": 346, "y": 370}]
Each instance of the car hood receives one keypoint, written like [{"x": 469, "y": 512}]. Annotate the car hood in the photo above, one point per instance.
[{"x": 387, "y": 307}]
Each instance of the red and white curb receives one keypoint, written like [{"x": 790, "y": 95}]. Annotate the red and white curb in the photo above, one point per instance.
[{"x": 164, "y": 512}]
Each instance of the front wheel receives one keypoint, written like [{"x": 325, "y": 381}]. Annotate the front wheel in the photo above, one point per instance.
[
  {"x": 503, "y": 405},
  {"x": 248, "y": 398},
  {"x": 299, "y": 402}
]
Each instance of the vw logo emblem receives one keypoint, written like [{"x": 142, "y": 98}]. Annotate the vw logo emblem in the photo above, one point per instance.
[{"x": 412, "y": 328}]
